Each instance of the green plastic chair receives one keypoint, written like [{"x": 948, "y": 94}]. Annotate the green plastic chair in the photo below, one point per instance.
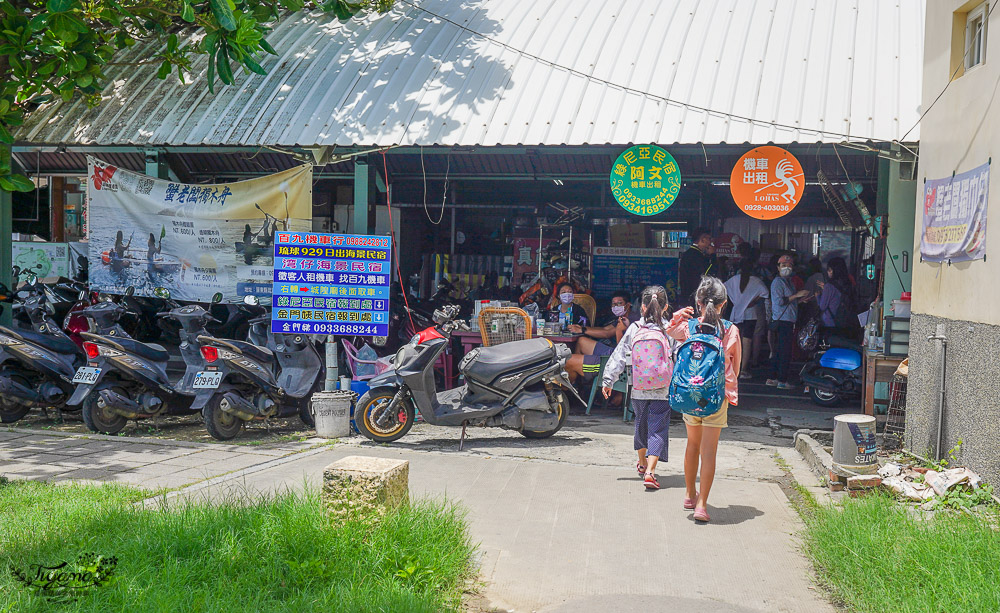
[{"x": 621, "y": 385}]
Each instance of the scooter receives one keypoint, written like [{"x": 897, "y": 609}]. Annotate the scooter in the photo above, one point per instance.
[
  {"x": 36, "y": 364},
  {"x": 126, "y": 379},
  {"x": 271, "y": 375},
  {"x": 834, "y": 375},
  {"x": 520, "y": 385}
]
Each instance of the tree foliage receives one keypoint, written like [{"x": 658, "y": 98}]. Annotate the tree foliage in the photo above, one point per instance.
[{"x": 53, "y": 49}]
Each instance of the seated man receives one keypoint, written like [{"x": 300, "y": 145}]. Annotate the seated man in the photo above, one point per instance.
[{"x": 600, "y": 341}]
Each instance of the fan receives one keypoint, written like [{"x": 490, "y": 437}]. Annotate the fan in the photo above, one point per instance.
[{"x": 847, "y": 203}]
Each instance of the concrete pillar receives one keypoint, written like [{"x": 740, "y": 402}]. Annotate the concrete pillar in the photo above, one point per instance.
[
  {"x": 361, "y": 485},
  {"x": 360, "y": 225}
]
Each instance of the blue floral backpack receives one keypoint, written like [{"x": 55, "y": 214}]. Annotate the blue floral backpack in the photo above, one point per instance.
[{"x": 698, "y": 385}]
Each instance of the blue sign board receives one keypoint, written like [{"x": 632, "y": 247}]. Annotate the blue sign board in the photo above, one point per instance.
[
  {"x": 632, "y": 269},
  {"x": 331, "y": 284}
]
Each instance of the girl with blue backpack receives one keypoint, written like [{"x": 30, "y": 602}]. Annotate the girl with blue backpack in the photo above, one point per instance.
[
  {"x": 704, "y": 384},
  {"x": 651, "y": 353}
]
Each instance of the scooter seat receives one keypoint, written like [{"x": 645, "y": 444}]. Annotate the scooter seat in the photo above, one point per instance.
[
  {"x": 59, "y": 344},
  {"x": 150, "y": 351},
  {"x": 254, "y": 352},
  {"x": 488, "y": 363}
]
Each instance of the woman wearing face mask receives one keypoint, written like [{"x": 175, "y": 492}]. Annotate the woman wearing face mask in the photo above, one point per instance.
[
  {"x": 784, "y": 313},
  {"x": 567, "y": 313}
]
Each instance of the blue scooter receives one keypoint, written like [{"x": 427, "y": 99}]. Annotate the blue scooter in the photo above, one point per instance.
[{"x": 834, "y": 375}]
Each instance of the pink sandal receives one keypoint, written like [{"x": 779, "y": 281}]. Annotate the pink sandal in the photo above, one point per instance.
[
  {"x": 650, "y": 482},
  {"x": 640, "y": 468},
  {"x": 690, "y": 502},
  {"x": 701, "y": 514}
]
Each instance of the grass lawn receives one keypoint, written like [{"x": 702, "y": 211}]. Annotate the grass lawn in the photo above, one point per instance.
[
  {"x": 878, "y": 557},
  {"x": 280, "y": 554}
]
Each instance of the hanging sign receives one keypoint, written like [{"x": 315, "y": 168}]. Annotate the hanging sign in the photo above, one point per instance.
[
  {"x": 331, "y": 284},
  {"x": 194, "y": 240},
  {"x": 954, "y": 225},
  {"x": 645, "y": 180},
  {"x": 767, "y": 182},
  {"x": 727, "y": 245}
]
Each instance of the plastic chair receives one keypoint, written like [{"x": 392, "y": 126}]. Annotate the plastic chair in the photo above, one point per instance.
[
  {"x": 589, "y": 307},
  {"x": 499, "y": 325},
  {"x": 621, "y": 385},
  {"x": 353, "y": 360}
]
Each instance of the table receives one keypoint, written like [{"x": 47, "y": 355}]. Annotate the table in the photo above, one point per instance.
[
  {"x": 879, "y": 368},
  {"x": 473, "y": 338}
]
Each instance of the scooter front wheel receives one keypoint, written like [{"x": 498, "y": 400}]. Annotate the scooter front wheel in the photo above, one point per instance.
[
  {"x": 221, "y": 425},
  {"x": 99, "y": 417},
  {"x": 375, "y": 422},
  {"x": 824, "y": 398}
]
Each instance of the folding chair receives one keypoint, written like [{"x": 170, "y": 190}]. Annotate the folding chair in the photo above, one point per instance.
[{"x": 621, "y": 385}]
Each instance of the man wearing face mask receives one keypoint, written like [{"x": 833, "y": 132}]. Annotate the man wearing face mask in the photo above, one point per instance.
[
  {"x": 600, "y": 341},
  {"x": 784, "y": 313},
  {"x": 697, "y": 261}
]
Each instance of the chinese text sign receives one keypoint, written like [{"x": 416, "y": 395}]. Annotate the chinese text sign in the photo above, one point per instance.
[
  {"x": 645, "y": 180},
  {"x": 331, "y": 284},
  {"x": 954, "y": 227}
]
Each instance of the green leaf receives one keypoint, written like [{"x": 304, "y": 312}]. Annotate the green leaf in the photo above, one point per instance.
[
  {"x": 39, "y": 22},
  {"x": 171, "y": 43},
  {"x": 5, "y": 135},
  {"x": 211, "y": 73},
  {"x": 21, "y": 183},
  {"x": 77, "y": 62},
  {"x": 59, "y": 6},
  {"x": 84, "y": 80},
  {"x": 222, "y": 61},
  {"x": 66, "y": 93},
  {"x": 187, "y": 14},
  {"x": 6, "y": 184},
  {"x": 4, "y": 106},
  {"x": 224, "y": 14},
  {"x": 48, "y": 67},
  {"x": 253, "y": 65},
  {"x": 163, "y": 71},
  {"x": 266, "y": 46}
]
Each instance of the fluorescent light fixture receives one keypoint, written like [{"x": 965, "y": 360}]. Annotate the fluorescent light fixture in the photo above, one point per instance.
[{"x": 557, "y": 181}]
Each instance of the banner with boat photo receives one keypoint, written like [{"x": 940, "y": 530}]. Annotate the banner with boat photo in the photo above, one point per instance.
[{"x": 192, "y": 239}]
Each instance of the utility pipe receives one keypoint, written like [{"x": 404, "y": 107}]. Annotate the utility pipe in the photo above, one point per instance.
[
  {"x": 331, "y": 364},
  {"x": 939, "y": 335}
]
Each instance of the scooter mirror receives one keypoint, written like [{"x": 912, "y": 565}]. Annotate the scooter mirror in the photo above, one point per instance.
[
  {"x": 379, "y": 341},
  {"x": 251, "y": 300},
  {"x": 130, "y": 290},
  {"x": 161, "y": 292},
  {"x": 32, "y": 279},
  {"x": 217, "y": 298}
]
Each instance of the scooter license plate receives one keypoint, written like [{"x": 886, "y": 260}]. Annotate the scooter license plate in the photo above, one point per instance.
[
  {"x": 207, "y": 380},
  {"x": 86, "y": 375}
]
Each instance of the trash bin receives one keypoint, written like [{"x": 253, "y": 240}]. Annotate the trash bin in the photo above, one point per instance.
[
  {"x": 855, "y": 449},
  {"x": 332, "y": 411}
]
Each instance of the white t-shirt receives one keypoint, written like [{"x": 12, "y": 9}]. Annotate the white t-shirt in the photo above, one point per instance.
[{"x": 740, "y": 299}]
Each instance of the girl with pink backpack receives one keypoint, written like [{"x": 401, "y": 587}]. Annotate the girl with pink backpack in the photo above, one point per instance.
[{"x": 651, "y": 353}]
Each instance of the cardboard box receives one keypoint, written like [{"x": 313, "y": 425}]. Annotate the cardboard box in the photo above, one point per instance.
[{"x": 629, "y": 235}]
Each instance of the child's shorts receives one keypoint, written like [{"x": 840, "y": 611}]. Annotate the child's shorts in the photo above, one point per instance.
[{"x": 719, "y": 419}]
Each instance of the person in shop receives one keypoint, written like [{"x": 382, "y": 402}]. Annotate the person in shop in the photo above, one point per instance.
[
  {"x": 746, "y": 293},
  {"x": 836, "y": 295},
  {"x": 697, "y": 261},
  {"x": 784, "y": 313},
  {"x": 567, "y": 312},
  {"x": 598, "y": 342}
]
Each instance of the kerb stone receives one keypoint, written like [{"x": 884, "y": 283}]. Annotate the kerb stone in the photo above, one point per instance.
[{"x": 360, "y": 485}]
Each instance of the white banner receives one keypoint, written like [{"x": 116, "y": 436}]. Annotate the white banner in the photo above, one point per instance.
[{"x": 194, "y": 240}]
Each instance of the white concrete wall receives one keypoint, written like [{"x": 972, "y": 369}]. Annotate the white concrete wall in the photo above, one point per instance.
[{"x": 960, "y": 132}]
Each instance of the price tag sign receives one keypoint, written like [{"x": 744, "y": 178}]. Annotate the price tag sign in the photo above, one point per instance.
[
  {"x": 331, "y": 284},
  {"x": 767, "y": 182}
]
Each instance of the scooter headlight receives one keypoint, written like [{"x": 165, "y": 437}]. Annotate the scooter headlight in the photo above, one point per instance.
[{"x": 414, "y": 340}]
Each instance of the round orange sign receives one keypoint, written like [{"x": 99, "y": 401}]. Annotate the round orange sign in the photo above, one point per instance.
[{"x": 767, "y": 182}]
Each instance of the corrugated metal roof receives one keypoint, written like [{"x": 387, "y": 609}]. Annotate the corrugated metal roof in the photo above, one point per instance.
[{"x": 509, "y": 72}]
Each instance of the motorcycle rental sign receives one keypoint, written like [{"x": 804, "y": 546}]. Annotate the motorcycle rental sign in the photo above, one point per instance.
[
  {"x": 192, "y": 239},
  {"x": 767, "y": 182}
]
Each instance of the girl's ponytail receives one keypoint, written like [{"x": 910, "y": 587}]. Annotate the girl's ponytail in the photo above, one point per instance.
[
  {"x": 652, "y": 298},
  {"x": 710, "y": 296}
]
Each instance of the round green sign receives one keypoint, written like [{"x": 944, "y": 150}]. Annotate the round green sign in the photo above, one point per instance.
[{"x": 645, "y": 180}]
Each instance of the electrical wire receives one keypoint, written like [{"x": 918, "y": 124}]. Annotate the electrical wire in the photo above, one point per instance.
[
  {"x": 953, "y": 75},
  {"x": 392, "y": 235},
  {"x": 423, "y": 172},
  {"x": 634, "y": 90}
]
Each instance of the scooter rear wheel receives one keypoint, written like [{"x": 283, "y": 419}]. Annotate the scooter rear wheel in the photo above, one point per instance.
[
  {"x": 10, "y": 410},
  {"x": 372, "y": 420},
  {"x": 101, "y": 419},
  {"x": 562, "y": 410},
  {"x": 221, "y": 425}
]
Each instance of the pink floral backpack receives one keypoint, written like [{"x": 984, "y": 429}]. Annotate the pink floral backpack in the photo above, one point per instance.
[{"x": 652, "y": 362}]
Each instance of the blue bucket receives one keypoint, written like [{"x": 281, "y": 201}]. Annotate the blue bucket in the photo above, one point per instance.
[{"x": 359, "y": 388}]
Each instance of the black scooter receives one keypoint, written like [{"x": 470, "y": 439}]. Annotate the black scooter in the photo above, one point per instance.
[
  {"x": 520, "y": 385},
  {"x": 126, "y": 379},
  {"x": 272, "y": 375},
  {"x": 834, "y": 375},
  {"x": 36, "y": 364}
]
